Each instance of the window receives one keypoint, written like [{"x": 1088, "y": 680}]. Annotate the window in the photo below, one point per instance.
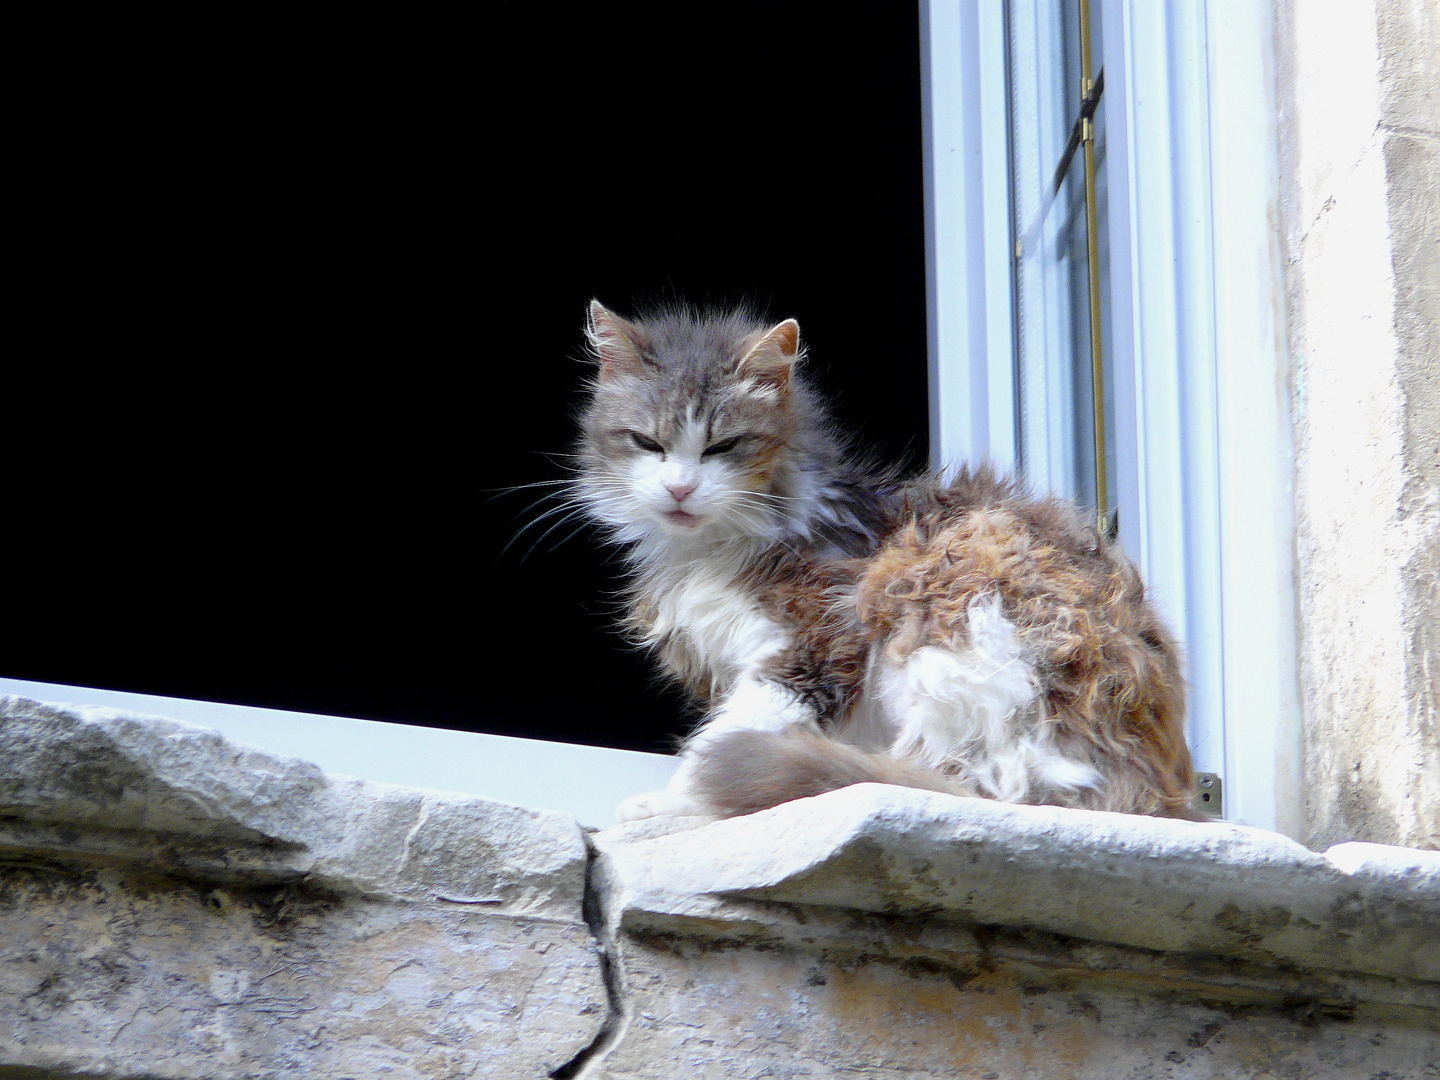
[
  {"x": 325, "y": 349},
  {"x": 1175, "y": 426},
  {"x": 1059, "y": 216},
  {"x": 308, "y": 518}
]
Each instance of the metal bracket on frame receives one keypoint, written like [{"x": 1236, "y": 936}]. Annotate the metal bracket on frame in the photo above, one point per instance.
[{"x": 1209, "y": 794}]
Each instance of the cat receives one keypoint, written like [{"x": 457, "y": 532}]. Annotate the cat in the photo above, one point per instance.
[{"x": 840, "y": 625}]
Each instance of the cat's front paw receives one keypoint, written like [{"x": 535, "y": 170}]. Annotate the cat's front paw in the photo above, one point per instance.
[{"x": 654, "y": 804}]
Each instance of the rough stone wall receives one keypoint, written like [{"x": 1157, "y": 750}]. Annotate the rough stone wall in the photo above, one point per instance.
[
  {"x": 883, "y": 933},
  {"x": 716, "y": 1011},
  {"x": 129, "y": 973},
  {"x": 1359, "y": 89},
  {"x": 175, "y": 905}
]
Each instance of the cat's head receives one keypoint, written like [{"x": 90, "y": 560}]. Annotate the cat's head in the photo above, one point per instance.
[{"x": 696, "y": 426}]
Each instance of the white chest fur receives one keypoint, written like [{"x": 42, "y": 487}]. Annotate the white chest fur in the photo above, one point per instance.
[{"x": 723, "y": 625}]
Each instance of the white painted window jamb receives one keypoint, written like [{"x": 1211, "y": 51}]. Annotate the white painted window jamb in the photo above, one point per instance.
[
  {"x": 967, "y": 233},
  {"x": 1200, "y": 376},
  {"x": 1162, "y": 317},
  {"x": 1256, "y": 455}
]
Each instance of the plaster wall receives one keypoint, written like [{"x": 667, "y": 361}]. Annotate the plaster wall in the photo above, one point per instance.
[{"x": 1359, "y": 91}]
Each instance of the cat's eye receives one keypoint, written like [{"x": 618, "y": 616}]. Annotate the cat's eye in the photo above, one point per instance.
[
  {"x": 647, "y": 444},
  {"x": 724, "y": 446}
]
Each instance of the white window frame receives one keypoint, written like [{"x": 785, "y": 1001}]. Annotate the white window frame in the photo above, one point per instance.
[{"x": 1202, "y": 440}]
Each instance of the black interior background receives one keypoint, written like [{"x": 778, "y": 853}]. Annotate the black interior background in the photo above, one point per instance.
[{"x": 304, "y": 289}]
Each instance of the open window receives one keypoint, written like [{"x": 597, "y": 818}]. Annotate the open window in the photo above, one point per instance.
[{"x": 1105, "y": 304}]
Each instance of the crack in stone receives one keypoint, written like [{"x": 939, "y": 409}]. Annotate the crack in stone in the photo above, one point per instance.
[
  {"x": 617, "y": 1018},
  {"x": 421, "y": 817}
]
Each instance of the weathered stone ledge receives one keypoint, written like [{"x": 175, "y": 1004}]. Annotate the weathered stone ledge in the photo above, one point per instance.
[
  {"x": 1148, "y": 883},
  {"x": 174, "y": 904},
  {"x": 113, "y": 786}
]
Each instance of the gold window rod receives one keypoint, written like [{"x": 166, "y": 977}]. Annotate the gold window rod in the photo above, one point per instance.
[{"x": 1089, "y": 98}]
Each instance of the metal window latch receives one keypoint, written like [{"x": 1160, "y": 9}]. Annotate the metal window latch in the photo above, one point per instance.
[
  {"x": 1209, "y": 794},
  {"x": 1107, "y": 523}
]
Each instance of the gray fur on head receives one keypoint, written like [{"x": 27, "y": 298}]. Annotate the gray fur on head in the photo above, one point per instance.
[{"x": 714, "y": 406}]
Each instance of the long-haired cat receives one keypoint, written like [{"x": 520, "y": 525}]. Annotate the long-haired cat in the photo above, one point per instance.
[{"x": 841, "y": 626}]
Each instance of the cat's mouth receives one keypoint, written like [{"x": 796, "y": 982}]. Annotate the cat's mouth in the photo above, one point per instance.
[{"x": 682, "y": 518}]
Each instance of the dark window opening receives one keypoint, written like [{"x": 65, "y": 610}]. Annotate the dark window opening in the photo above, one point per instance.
[{"x": 310, "y": 288}]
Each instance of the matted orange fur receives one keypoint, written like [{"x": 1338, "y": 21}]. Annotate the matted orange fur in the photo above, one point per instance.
[{"x": 842, "y": 625}]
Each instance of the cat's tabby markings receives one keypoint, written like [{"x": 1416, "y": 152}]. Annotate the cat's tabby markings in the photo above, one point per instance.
[{"x": 843, "y": 626}]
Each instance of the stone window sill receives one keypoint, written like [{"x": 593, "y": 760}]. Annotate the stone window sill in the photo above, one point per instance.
[{"x": 532, "y": 947}]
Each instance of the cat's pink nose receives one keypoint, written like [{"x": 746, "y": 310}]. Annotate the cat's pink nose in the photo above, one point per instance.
[{"x": 680, "y": 491}]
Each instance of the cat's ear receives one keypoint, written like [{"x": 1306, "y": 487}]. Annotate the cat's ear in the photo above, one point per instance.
[
  {"x": 616, "y": 342},
  {"x": 770, "y": 360}
]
